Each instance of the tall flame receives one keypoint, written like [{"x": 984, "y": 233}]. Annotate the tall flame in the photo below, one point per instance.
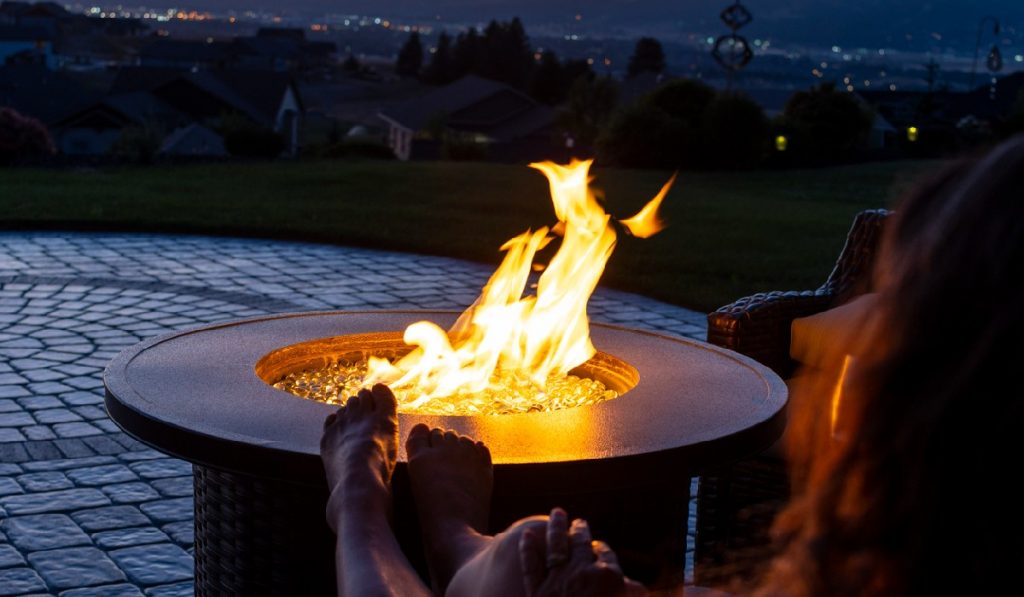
[{"x": 541, "y": 335}]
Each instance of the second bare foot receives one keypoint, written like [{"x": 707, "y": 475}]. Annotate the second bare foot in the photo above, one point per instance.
[{"x": 452, "y": 479}]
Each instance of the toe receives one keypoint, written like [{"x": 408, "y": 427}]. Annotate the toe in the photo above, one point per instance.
[
  {"x": 366, "y": 402},
  {"x": 331, "y": 418},
  {"x": 451, "y": 437},
  {"x": 484, "y": 452},
  {"x": 384, "y": 399},
  {"x": 436, "y": 437},
  {"x": 351, "y": 405},
  {"x": 418, "y": 440}
]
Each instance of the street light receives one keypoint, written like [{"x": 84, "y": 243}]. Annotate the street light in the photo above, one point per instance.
[{"x": 977, "y": 44}]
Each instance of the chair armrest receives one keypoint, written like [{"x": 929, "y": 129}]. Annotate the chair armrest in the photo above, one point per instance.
[
  {"x": 758, "y": 326},
  {"x": 852, "y": 273}
]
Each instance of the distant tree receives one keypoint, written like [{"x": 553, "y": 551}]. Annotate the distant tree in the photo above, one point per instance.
[
  {"x": 506, "y": 54},
  {"x": 547, "y": 85},
  {"x": 1015, "y": 119},
  {"x": 552, "y": 79},
  {"x": 441, "y": 69},
  {"x": 22, "y": 139},
  {"x": 648, "y": 56},
  {"x": 410, "y": 57},
  {"x": 467, "y": 54},
  {"x": 590, "y": 104},
  {"x": 352, "y": 64},
  {"x": 574, "y": 69},
  {"x": 825, "y": 125},
  {"x": 931, "y": 69}
]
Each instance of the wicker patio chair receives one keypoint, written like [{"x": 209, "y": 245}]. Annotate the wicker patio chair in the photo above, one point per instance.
[{"x": 736, "y": 505}]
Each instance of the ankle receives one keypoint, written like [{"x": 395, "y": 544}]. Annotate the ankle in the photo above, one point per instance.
[{"x": 348, "y": 501}]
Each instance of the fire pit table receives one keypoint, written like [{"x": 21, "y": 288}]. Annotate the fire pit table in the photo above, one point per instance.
[{"x": 625, "y": 464}]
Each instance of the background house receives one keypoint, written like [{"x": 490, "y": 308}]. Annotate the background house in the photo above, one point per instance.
[
  {"x": 25, "y": 45},
  {"x": 36, "y": 91},
  {"x": 169, "y": 102},
  {"x": 505, "y": 123}
]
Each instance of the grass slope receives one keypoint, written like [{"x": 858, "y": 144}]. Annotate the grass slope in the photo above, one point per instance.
[{"x": 730, "y": 234}]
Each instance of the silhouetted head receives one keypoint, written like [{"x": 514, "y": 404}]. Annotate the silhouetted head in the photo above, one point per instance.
[{"x": 915, "y": 494}]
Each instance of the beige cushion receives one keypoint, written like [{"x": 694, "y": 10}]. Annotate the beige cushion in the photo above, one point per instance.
[{"x": 824, "y": 339}]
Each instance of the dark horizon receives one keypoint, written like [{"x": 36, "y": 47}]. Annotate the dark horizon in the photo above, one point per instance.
[{"x": 939, "y": 24}]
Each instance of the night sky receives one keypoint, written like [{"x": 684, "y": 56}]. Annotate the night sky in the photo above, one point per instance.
[{"x": 854, "y": 22}]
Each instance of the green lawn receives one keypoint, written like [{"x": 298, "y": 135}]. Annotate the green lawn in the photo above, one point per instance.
[{"x": 730, "y": 234}]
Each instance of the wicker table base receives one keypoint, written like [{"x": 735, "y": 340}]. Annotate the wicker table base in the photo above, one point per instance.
[
  {"x": 260, "y": 536},
  {"x": 257, "y": 536}
]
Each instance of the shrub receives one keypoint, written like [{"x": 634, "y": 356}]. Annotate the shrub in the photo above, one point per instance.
[
  {"x": 460, "y": 147},
  {"x": 590, "y": 105},
  {"x": 685, "y": 124},
  {"x": 137, "y": 144},
  {"x": 644, "y": 136},
  {"x": 356, "y": 148},
  {"x": 825, "y": 125},
  {"x": 734, "y": 132},
  {"x": 22, "y": 138},
  {"x": 244, "y": 138}
]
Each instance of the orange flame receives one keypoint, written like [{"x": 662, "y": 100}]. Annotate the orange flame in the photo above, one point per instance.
[
  {"x": 542, "y": 335},
  {"x": 646, "y": 222}
]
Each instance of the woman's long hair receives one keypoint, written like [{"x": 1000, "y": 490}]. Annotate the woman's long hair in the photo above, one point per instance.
[{"x": 913, "y": 491}]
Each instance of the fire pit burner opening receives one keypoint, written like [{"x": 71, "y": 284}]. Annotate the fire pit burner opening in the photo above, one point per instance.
[{"x": 331, "y": 369}]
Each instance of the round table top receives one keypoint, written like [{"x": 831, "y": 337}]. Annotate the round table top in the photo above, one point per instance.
[{"x": 195, "y": 394}]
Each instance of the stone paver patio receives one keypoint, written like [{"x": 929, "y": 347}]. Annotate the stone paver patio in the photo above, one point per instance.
[{"x": 84, "y": 509}]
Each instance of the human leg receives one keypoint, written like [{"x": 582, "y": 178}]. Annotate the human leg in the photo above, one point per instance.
[{"x": 359, "y": 450}]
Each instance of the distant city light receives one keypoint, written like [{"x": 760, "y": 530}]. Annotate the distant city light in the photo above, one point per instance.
[
  {"x": 911, "y": 133},
  {"x": 579, "y": 17},
  {"x": 710, "y": 40},
  {"x": 781, "y": 142},
  {"x": 849, "y": 88},
  {"x": 590, "y": 61},
  {"x": 881, "y": 51},
  {"x": 892, "y": 87},
  {"x": 816, "y": 73},
  {"x": 1018, "y": 58},
  {"x": 836, "y": 49},
  {"x": 824, "y": 64}
]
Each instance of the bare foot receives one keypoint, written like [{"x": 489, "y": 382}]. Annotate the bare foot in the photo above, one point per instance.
[
  {"x": 359, "y": 449},
  {"x": 451, "y": 479}
]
